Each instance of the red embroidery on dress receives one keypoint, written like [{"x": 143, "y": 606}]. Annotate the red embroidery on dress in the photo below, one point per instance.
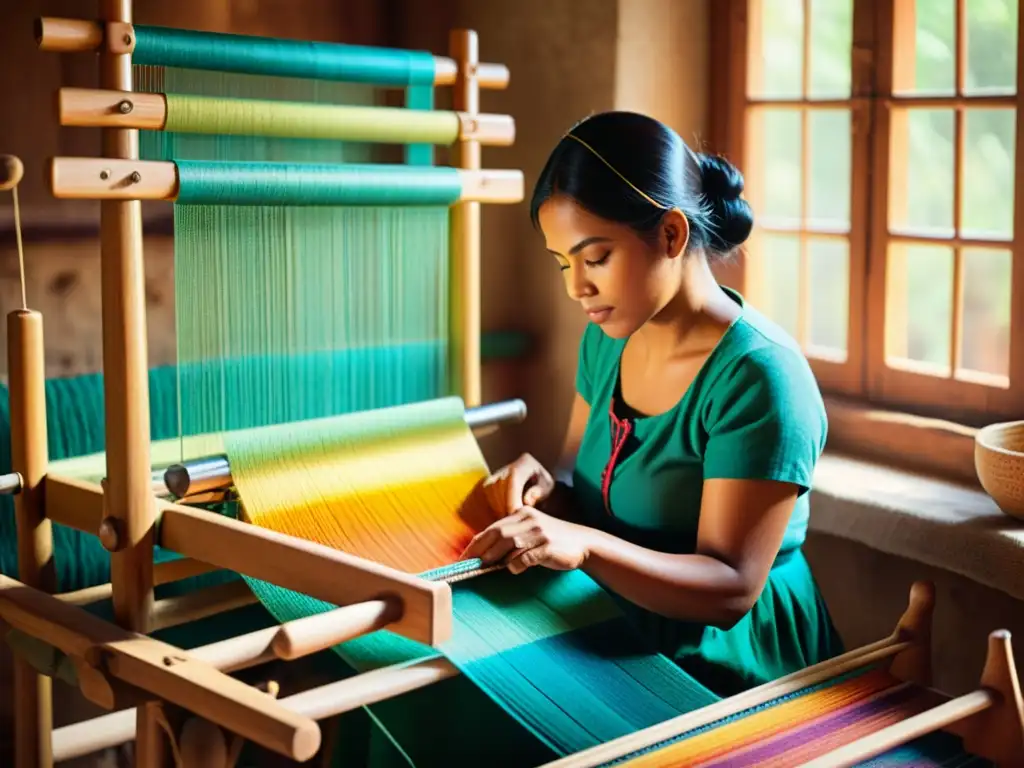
[{"x": 620, "y": 429}]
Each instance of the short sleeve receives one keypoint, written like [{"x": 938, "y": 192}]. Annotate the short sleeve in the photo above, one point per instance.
[
  {"x": 766, "y": 420},
  {"x": 585, "y": 365}
]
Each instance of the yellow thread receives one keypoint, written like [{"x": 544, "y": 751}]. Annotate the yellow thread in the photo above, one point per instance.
[
  {"x": 403, "y": 491},
  {"x": 635, "y": 188}
]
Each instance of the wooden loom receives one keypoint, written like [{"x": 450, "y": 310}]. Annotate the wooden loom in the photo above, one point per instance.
[{"x": 191, "y": 694}]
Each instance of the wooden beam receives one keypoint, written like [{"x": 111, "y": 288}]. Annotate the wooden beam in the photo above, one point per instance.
[
  {"x": 160, "y": 669},
  {"x": 112, "y": 179}
]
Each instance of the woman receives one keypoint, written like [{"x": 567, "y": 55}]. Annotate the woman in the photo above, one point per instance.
[{"x": 696, "y": 424}]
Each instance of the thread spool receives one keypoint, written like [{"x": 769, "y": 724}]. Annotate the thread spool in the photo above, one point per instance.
[{"x": 11, "y": 172}]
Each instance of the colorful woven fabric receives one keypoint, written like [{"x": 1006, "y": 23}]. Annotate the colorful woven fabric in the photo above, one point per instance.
[
  {"x": 400, "y": 486},
  {"x": 794, "y": 729}
]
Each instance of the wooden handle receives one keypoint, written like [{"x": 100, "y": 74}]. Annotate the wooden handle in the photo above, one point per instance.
[
  {"x": 11, "y": 172},
  {"x": 313, "y": 634}
]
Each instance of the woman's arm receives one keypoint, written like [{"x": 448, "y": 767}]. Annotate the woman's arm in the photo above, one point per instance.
[{"x": 742, "y": 523}]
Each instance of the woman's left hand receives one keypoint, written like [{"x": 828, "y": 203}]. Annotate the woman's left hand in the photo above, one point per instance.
[{"x": 528, "y": 538}]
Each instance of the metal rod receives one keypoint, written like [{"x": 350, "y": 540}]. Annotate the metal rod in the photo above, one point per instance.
[
  {"x": 213, "y": 473},
  {"x": 10, "y": 484}
]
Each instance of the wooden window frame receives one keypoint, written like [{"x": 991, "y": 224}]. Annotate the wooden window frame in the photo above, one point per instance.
[{"x": 877, "y": 409}]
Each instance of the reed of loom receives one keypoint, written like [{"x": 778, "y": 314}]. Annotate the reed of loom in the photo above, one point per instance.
[{"x": 189, "y": 697}]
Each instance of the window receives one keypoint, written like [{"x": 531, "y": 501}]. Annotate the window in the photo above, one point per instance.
[{"x": 879, "y": 144}]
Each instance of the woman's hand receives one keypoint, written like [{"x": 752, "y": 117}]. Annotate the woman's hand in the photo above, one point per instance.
[
  {"x": 528, "y": 538},
  {"x": 523, "y": 483}
]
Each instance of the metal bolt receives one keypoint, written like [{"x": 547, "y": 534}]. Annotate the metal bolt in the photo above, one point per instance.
[
  {"x": 127, "y": 39},
  {"x": 104, "y": 175},
  {"x": 125, "y": 107},
  {"x": 136, "y": 177}
]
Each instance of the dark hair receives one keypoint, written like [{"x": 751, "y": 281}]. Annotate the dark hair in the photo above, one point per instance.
[{"x": 605, "y": 156}]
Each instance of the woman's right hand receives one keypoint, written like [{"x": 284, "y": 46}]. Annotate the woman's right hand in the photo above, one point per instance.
[{"x": 523, "y": 483}]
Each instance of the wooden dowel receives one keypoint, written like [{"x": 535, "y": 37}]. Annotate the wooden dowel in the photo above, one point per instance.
[
  {"x": 158, "y": 668},
  {"x": 320, "y": 703},
  {"x": 100, "y": 108},
  {"x": 369, "y": 688},
  {"x": 87, "y": 595},
  {"x": 242, "y": 652},
  {"x": 163, "y": 573},
  {"x": 464, "y": 226},
  {"x": 78, "y": 504},
  {"x": 80, "y": 36},
  {"x": 68, "y": 35},
  {"x": 199, "y": 604},
  {"x": 313, "y": 569},
  {"x": 97, "y": 108},
  {"x": 313, "y": 634},
  {"x": 75, "y": 503},
  {"x": 36, "y": 567},
  {"x": 906, "y": 731},
  {"x": 105, "y": 178}
]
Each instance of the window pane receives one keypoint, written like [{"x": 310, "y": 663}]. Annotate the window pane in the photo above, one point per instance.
[
  {"x": 777, "y": 287},
  {"x": 775, "y": 66},
  {"x": 985, "y": 337},
  {"x": 919, "y": 304},
  {"x": 829, "y": 262},
  {"x": 991, "y": 46},
  {"x": 774, "y": 157},
  {"x": 831, "y": 40},
  {"x": 924, "y": 37},
  {"x": 921, "y": 171},
  {"x": 829, "y": 198},
  {"x": 989, "y": 142}
]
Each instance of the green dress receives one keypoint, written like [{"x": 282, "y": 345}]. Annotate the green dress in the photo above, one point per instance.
[{"x": 753, "y": 412}]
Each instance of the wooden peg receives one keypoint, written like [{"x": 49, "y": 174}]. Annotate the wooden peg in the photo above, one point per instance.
[
  {"x": 914, "y": 664},
  {"x": 11, "y": 172},
  {"x": 997, "y": 732}
]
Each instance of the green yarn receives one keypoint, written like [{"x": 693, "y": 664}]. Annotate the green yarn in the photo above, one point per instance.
[
  {"x": 306, "y": 184},
  {"x": 290, "y": 119},
  {"x": 190, "y": 49}
]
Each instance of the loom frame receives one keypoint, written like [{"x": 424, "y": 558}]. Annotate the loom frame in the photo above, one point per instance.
[{"x": 115, "y": 663}]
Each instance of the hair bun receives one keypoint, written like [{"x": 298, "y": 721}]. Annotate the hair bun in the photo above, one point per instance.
[
  {"x": 720, "y": 179},
  {"x": 731, "y": 216}
]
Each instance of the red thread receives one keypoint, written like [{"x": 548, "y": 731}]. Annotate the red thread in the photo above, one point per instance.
[{"x": 620, "y": 433}]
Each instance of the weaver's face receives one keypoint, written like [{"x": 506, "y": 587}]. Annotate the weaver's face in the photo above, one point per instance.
[{"x": 619, "y": 279}]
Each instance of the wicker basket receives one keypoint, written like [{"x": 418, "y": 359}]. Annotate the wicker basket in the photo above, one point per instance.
[{"x": 999, "y": 462}]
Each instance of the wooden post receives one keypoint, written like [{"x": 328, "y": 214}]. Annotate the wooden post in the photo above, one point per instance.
[
  {"x": 129, "y": 501},
  {"x": 29, "y": 455},
  {"x": 465, "y": 229}
]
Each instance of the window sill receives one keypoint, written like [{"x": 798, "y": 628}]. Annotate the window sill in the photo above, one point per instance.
[
  {"x": 941, "y": 448},
  {"x": 943, "y": 524}
]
